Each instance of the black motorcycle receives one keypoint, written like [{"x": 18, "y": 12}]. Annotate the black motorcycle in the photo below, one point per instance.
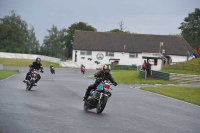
[
  {"x": 99, "y": 97},
  {"x": 31, "y": 79},
  {"x": 52, "y": 69}
]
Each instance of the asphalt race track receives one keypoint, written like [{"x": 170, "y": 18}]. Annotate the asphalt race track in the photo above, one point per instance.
[{"x": 56, "y": 106}]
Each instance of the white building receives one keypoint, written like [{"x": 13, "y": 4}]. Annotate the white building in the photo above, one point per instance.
[{"x": 91, "y": 48}]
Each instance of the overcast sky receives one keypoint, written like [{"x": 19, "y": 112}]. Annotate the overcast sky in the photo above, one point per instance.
[{"x": 161, "y": 17}]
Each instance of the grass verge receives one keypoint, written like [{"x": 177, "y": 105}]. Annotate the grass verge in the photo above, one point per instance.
[
  {"x": 190, "y": 95},
  {"x": 6, "y": 73},
  {"x": 25, "y": 62},
  {"x": 132, "y": 77}
]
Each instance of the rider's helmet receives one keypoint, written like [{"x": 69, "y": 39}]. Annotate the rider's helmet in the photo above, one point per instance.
[
  {"x": 38, "y": 60},
  {"x": 106, "y": 68}
]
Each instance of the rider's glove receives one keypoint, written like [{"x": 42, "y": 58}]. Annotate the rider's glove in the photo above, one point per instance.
[{"x": 115, "y": 83}]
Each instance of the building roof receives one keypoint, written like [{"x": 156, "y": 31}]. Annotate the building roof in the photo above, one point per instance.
[{"x": 130, "y": 43}]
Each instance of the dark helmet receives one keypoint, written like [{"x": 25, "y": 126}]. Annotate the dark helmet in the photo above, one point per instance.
[
  {"x": 106, "y": 68},
  {"x": 38, "y": 60}
]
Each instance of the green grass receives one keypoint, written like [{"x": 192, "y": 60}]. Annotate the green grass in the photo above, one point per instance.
[
  {"x": 132, "y": 77},
  {"x": 6, "y": 73},
  {"x": 25, "y": 62},
  {"x": 188, "y": 67},
  {"x": 191, "y": 95}
]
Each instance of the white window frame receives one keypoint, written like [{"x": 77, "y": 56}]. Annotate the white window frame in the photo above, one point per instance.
[
  {"x": 133, "y": 55},
  {"x": 112, "y": 54},
  {"x": 85, "y": 52}
]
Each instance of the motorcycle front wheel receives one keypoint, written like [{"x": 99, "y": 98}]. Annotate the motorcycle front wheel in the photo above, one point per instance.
[
  {"x": 85, "y": 105},
  {"x": 101, "y": 105},
  {"x": 28, "y": 86}
]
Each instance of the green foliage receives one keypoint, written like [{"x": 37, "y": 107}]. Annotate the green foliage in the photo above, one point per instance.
[
  {"x": 6, "y": 73},
  {"x": 116, "y": 31},
  {"x": 15, "y": 37},
  {"x": 71, "y": 30},
  {"x": 132, "y": 77},
  {"x": 59, "y": 42},
  {"x": 24, "y": 62},
  {"x": 190, "y": 28},
  {"x": 191, "y": 95},
  {"x": 54, "y": 43},
  {"x": 189, "y": 67},
  {"x": 120, "y": 31}
]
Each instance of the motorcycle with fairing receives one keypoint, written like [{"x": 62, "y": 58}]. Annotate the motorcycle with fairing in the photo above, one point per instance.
[{"x": 98, "y": 98}]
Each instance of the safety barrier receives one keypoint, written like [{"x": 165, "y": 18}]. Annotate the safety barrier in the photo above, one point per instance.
[
  {"x": 123, "y": 67},
  {"x": 183, "y": 78},
  {"x": 160, "y": 75},
  {"x": 142, "y": 74}
]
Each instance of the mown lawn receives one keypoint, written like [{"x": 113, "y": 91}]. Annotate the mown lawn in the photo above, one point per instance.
[
  {"x": 132, "y": 77},
  {"x": 191, "y": 95},
  {"x": 25, "y": 62},
  {"x": 6, "y": 73}
]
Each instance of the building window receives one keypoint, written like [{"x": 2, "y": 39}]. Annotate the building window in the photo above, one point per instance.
[
  {"x": 109, "y": 53},
  {"x": 133, "y": 55},
  {"x": 86, "y": 52}
]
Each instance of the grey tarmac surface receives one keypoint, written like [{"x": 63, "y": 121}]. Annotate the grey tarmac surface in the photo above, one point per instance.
[{"x": 56, "y": 106}]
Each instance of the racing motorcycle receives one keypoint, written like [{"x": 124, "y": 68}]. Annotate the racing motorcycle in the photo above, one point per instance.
[
  {"x": 31, "y": 79},
  {"x": 52, "y": 69},
  {"x": 98, "y": 97},
  {"x": 83, "y": 69}
]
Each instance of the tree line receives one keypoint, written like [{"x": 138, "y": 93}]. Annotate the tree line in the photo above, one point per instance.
[{"x": 16, "y": 36}]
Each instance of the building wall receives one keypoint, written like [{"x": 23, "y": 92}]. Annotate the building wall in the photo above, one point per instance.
[{"x": 124, "y": 58}]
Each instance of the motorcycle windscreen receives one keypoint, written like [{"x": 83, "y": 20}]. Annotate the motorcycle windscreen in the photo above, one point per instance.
[{"x": 99, "y": 87}]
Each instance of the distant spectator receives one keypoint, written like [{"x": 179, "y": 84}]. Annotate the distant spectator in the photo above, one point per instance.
[
  {"x": 144, "y": 65},
  {"x": 192, "y": 56},
  {"x": 148, "y": 68},
  {"x": 198, "y": 51},
  {"x": 188, "y": 54}
]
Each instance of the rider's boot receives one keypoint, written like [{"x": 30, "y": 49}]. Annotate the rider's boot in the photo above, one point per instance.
[
  {"x": 25, "y": 81},
  {"x": 86, "y": 95},
  {"x": 35, "y": 84}
]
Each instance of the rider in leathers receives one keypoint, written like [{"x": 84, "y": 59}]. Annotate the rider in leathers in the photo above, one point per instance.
[
  {"x": 105, "y": 75},
  {"x": 35, "y": 65}
]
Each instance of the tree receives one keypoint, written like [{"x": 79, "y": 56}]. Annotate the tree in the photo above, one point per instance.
[
  {"x": 121, "y": 23},
  {"x": 13, "y": 33},
  {"x": 116, "y": 31},
  {"x": 32, "y": 44},
  {"x": 15, "y": 36},
  {"x": 52, "y": 41},
  {"x": 190, "y": 28},
  {"x": 70, "y": 34},
  {"x": 121, "y": 29},
  {"x": 55, "y": 43}
]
